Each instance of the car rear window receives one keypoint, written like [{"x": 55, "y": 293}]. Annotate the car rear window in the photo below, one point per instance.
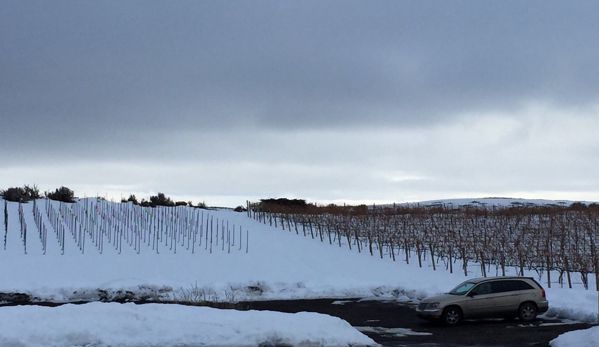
[{"x": 522, "y": 285}]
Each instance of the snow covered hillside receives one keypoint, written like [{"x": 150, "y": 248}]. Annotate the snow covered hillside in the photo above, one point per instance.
[{"x": 96, "y": 250}]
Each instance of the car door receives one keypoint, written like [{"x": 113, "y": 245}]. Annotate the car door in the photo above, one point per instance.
[
  {"x": 480, "y": 302},
  {"x": 507, "y": 297}
]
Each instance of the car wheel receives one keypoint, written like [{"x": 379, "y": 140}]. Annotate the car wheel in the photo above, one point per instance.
[
  {"x": 527, "y": 312},
  {"x": 452, "y": 315}
]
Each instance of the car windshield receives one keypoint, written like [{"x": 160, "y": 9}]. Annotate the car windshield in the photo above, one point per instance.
[{"x": 462, "y": 288}]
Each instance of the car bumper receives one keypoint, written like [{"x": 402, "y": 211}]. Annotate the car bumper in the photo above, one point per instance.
[
  {"x": 542, "y": 306},
  {"x": 428, "y": 314}
]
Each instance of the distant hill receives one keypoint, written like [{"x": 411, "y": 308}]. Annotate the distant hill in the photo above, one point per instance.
[{"x": 497, "y": 201}]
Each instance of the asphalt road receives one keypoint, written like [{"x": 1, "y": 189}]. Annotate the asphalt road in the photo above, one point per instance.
[{"x": 393, "y": 324}]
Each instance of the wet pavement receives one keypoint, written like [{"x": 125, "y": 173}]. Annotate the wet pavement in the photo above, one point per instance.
[{"x": 393, "y": 324}]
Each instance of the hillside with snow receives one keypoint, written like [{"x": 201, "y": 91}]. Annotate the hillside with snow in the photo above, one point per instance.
[{"x": 96, "y": 250}]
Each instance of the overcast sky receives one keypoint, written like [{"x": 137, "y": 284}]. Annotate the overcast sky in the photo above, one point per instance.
[{"x": 329, "y": 101}]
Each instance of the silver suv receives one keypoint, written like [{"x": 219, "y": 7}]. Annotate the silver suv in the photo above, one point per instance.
[{"x": 490, "y": 297}]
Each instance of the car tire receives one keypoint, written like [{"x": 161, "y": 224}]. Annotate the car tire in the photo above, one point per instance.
[
  {"x": 451, "y": 316},
  {"x": 527, "y": 312}
]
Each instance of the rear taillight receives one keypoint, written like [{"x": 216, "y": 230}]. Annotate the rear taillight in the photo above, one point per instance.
[{"x": 543, "y": 292}]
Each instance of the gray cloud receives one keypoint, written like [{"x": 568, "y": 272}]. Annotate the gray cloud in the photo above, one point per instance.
[
  {"x": 303, "y": 64},
  {"x": 205, "y": 81}
]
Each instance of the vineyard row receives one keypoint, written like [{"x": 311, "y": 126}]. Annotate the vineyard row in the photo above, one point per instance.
[
  {"x": 546, "y": 239},
  {"x": 97, "y": 225}
]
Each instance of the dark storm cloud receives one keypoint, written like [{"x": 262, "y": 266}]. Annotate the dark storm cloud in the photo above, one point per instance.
[{"x": 104, "y": 71}]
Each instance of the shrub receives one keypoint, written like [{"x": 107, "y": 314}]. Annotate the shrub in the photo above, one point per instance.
[
  {"x": 131, "y": 198},
  {"x": 18, "y": 194},
  {"x": 271, "y": 205},
  {"x": 63, "y": 194},
  {"x": 33, "y": 192},
  {"x": 161, "y": 200}
]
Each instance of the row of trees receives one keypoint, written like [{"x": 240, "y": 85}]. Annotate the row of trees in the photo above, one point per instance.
[
  {"x": 545, "y": 238},
  {"x": 160, "y": 200},
  {"x": 28, "y": 193}
]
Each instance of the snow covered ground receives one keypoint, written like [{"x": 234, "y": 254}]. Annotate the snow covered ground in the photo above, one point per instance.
[
  {"x": 579, "y": 338},
  {"x": 246, "y": 260},
  {"x": 113, "y": 324}
]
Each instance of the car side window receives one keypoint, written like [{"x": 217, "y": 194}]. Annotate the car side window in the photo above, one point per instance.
[
  {"x": 482, "y": 289},
  {"x": 500, "y": 286}
]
